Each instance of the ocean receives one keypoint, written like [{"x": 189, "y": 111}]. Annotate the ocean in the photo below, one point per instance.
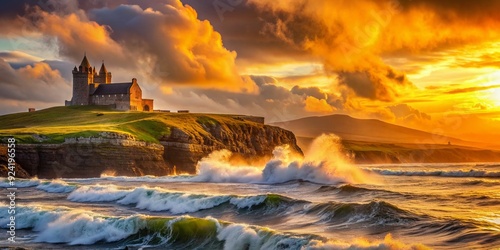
[{"x": 288, "y": 203}]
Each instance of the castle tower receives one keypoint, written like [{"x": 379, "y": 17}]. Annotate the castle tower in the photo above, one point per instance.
[
  {"x": 104, "y": 76},
  {"x": 82, "y": 77}
]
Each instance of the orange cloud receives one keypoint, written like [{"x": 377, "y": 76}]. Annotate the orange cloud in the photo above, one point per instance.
[
  {"x": 76, "y": 34},
  {"x": 167, "y": 44},
  {"x": 40, "y": 71},
  {"x": 351, "y": 37},
  {"x": 176, "y": 48},
  {"x": 315, "y": 105},
  {"x": 38, "y": 83},
  {"x": 345, "y": 36}
]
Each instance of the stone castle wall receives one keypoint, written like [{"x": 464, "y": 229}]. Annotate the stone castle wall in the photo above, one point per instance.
[
  {"x": 81, "y": 88},
  {"x": 135, "y": 96},
  {"x": 121, "y": 101},
  {"x": 147, "y": 104},
  {"x": 103, "y": 78}
]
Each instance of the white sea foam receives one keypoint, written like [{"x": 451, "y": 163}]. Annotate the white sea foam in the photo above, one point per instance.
[
  {"x": 248, "y": 201},
  {"x": 152, "y": 199},
  {"x": 176, "y": 203},
  {"x": 147, "y": 178},
  {"x": 239, "y": 236},
  {"x": 97, "y": 193},
  {"x": 74, "y": 227},
  {"x": 56, "y": 186},
  {"x": 78, "y": 227},
  {"x": 30, "y": 217},
  {"x": 243, "y": 236},
  {"x": 444, "y": 173},
  {"x": 324, "y": 163},
  {"x": 87, "y": 228},
  {"x": 19, "y": 183}
]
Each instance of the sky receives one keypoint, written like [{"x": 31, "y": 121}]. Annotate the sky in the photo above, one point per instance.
[{"x": 424, "y": 64}]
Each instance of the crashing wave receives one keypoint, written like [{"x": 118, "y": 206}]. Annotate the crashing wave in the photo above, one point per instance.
[{"x": 76, "y": 227}]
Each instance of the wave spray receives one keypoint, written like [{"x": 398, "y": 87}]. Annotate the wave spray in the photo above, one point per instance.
[{"x": 325, "y": 162}]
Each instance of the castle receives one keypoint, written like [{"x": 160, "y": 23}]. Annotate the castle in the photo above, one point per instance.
[{"x": 92, "y": 88}]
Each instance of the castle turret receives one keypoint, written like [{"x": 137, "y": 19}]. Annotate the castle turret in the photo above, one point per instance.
[
  {"x": 103, "y": 69},
  {"x": 85, "y": 62},
  {"x": 81, "y": 80},
  {"x": 104, "y": 76}
]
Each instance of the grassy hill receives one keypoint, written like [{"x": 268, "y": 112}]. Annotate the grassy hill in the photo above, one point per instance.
[{"x": 55, "y": 124}]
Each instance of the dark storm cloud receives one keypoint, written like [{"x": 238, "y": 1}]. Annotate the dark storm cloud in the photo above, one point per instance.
[{"x": 243, "y": 29}]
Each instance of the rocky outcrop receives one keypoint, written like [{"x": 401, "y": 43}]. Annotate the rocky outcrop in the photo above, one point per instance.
[
  {"x": 90, "y": 158},
  {"x": 246, "y": 140},
  {"x": 4, "y": 163},
  {"x": 118, "y": 154}
]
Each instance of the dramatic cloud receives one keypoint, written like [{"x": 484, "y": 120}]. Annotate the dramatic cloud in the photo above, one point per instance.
[
  {"x": 320, "y": 98},
  {"x": 341, "y": 34},
  {"x": 242, "y": 27},
  {"x": 279, "y": 59},
  {"x": 175, "y": 48},
  {"x": 372, "y": 84},
  {"x": 274, "y": 102},
  {"x": 351, "y": 37},
  {"x": 185, "y": 49},
  {"x": 18, "y": 57},
  {"x": 407, "y": 113},
  {"x": 33, "y": 84},
  {"x": 318, "y": 105}
]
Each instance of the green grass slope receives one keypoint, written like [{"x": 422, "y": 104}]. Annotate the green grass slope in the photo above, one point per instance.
[{"x": 55, "y": 124}]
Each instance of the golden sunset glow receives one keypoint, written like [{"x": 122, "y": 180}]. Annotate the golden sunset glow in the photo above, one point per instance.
[
  {"x": 250, "y": 124},
  {"x": 408, "y": 63}
]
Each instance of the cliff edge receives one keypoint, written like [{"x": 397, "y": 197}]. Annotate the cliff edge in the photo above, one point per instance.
[{"x": 78, "y": 142}]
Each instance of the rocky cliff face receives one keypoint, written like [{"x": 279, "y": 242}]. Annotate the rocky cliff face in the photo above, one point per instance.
[
  {"x": 121, "y": 155},
  {"x": 90, "y": 159},
  {"x": 4, "y": 163},
  {"x": 247, "y": 140}
]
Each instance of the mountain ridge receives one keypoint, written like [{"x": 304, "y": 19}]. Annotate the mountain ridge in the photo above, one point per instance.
[{"x": 356, "y": 129}]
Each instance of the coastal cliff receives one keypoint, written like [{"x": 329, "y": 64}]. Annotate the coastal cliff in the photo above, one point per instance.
[
  {"x": 247, "y": 140},
  {"x": 82, "y": 142},
  {"x": 86, "y": 159}
]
